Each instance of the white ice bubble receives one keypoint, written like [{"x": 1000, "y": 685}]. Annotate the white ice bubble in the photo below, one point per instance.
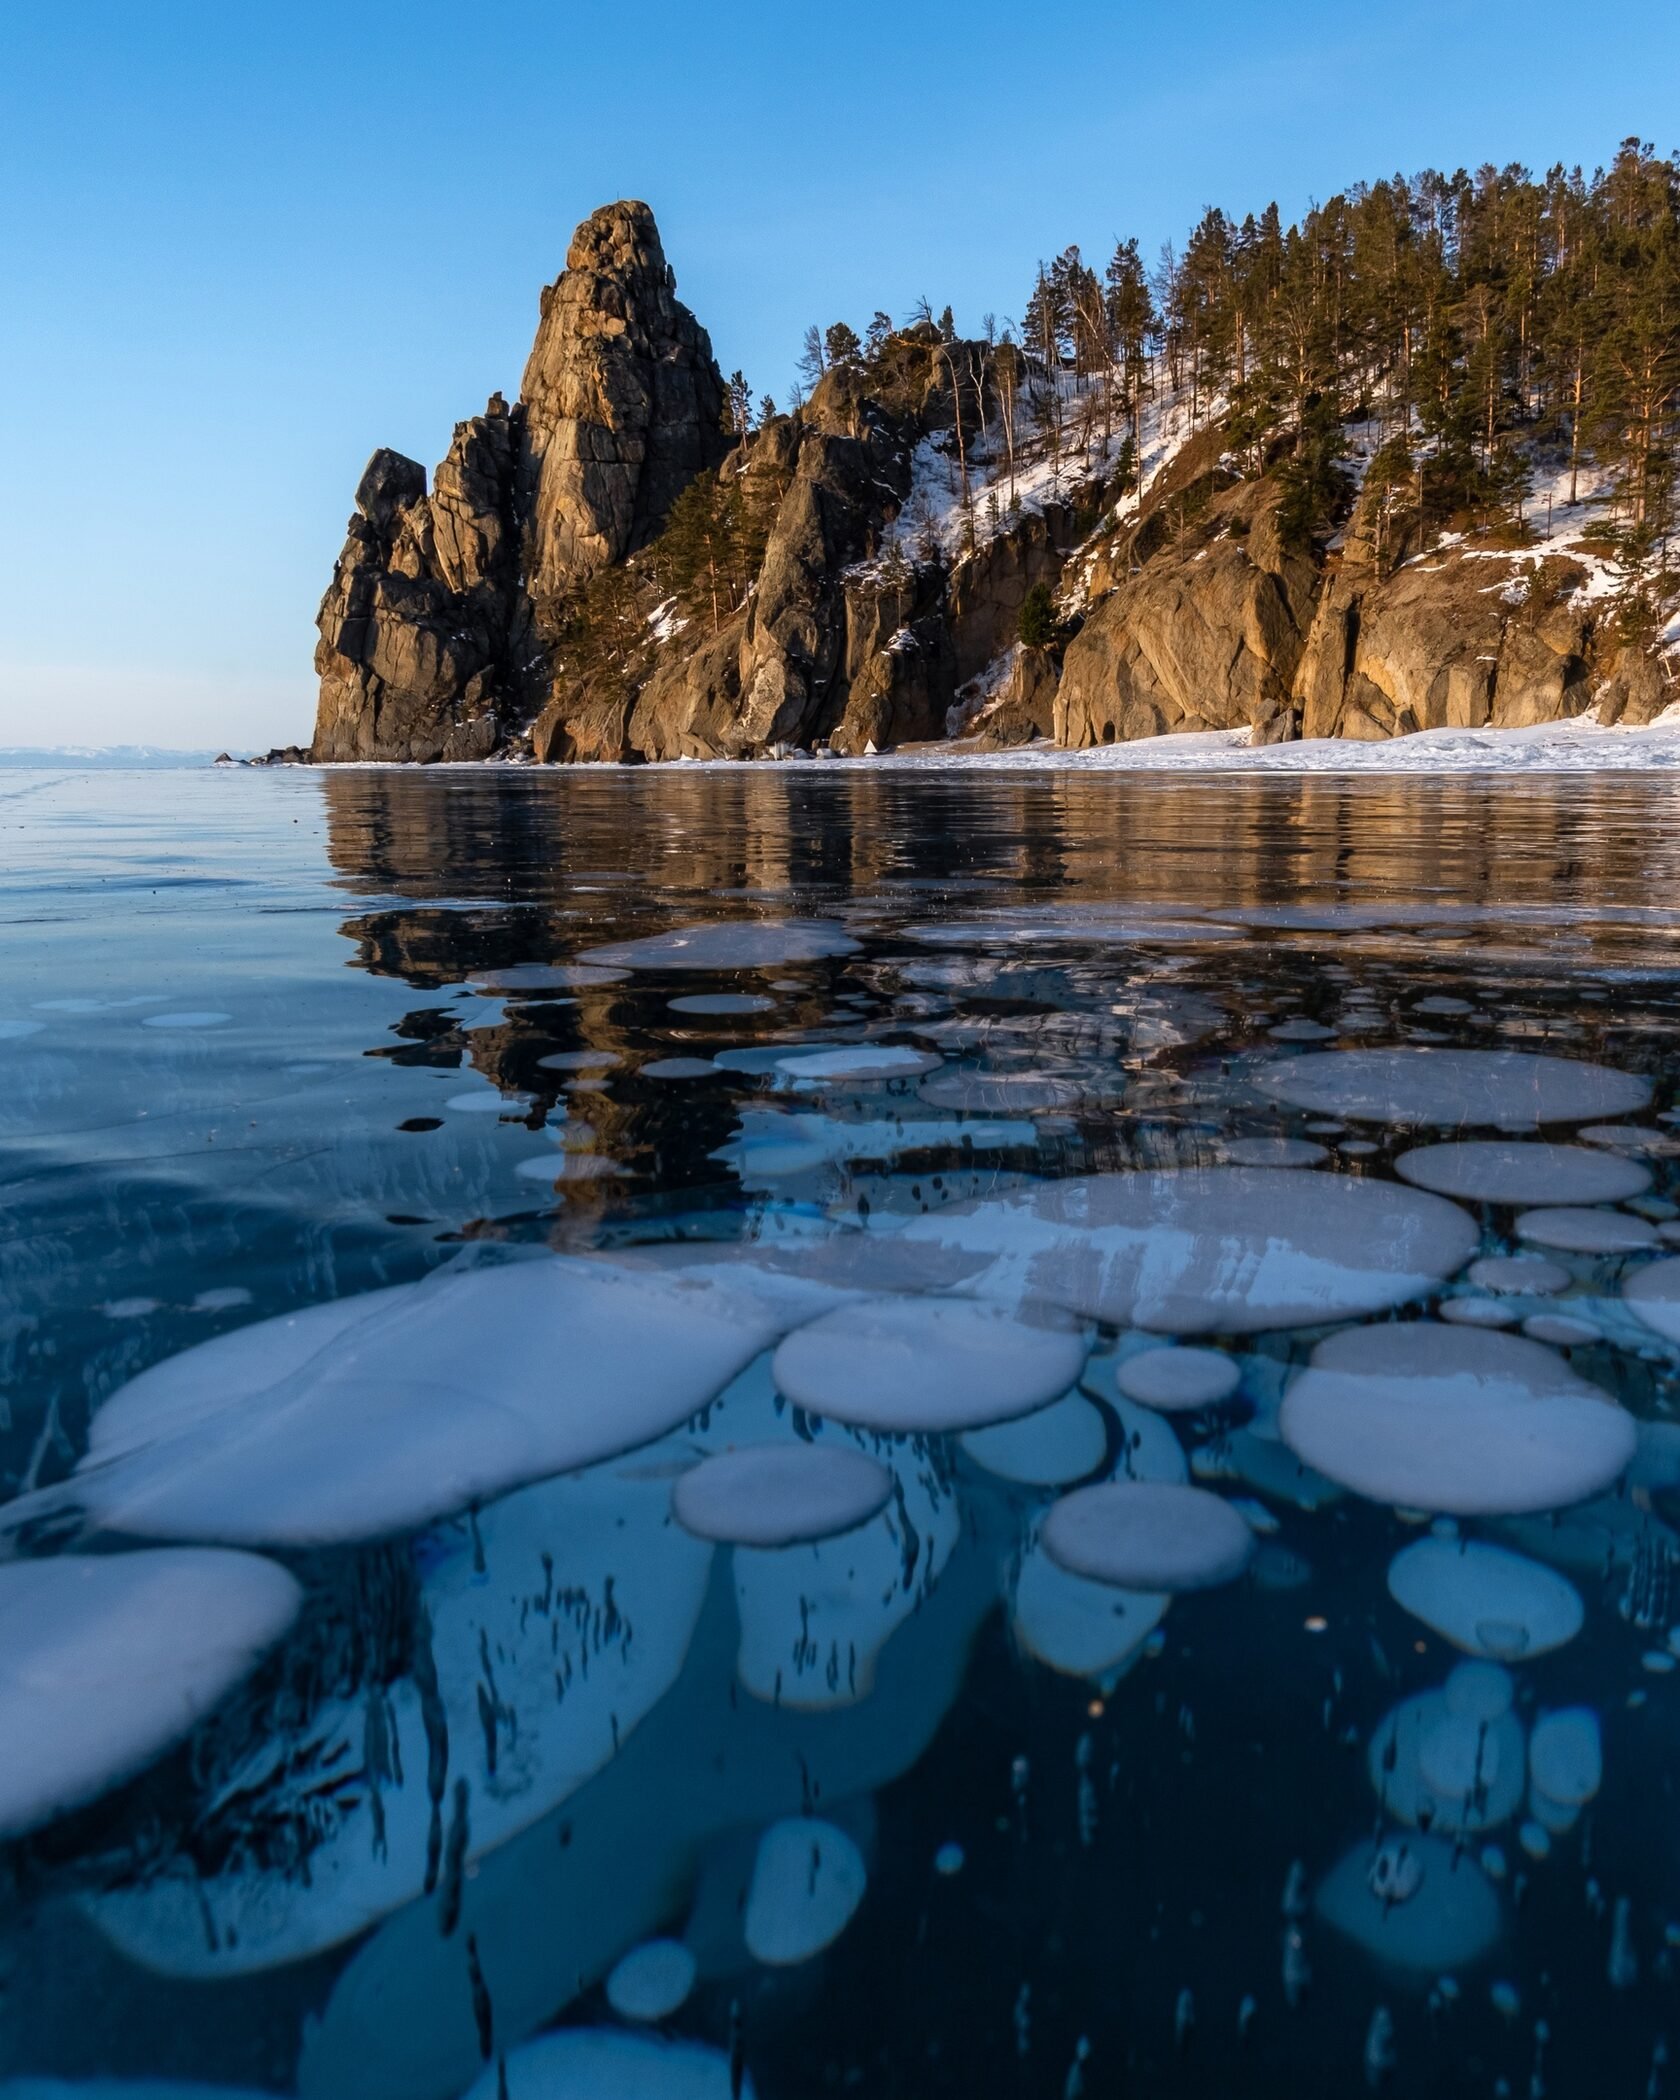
[
  {"x": 721, "y": 1003},
  {"x": 1454, "y": 1419},
  {"x": 1654, "y": 1294},
  {"x": 1215, "y": 1250},
  {"x": 1274, "y": 1152},
  {"x": 855, "y": 1061},
  {"x": 1507, "y": 1089},
  {"x": 228, "y": 1297},
  {"x": 1001, "y": 1093},
  {"x": 527, "y": 980},
  {"x": 579, "y": 1060},
  {"x": 1447, "y": 1918},
  {"x": 679, "y": 1068},
  {"x": 1559, "y": 1330},
  {"x": 482, "y": 1101},
  {"x": 1080, "y": 1627},
  {"x": 1176, "y": 1380},
  {"x": 1062, "y": 1442},
  {"x": 551, "y": 1167},
  {"x": 1485, "y": 1599},
  {"x": 606, "y": 2063},
  {"x": 729, "y": 944},
  {"x": 373, "y": 1415},
  {"x": 1479, "y": 1691},
  {"x": 928, "y": 1365},
  {"x": 1441, "y": 1770},
  {"x": 1477, "y": 1312},
  {"x": 107, "y": 1660},
  {"x": 1518, "y": 1273},
  {"x": 807, "y": 1882},
  {"x": 1300, "y": 1030},
  {"x": 204, "y": 1019},
  {"x": 15, "y": 1031},
  {"x": 1572, "y": 1231},
  {"x": 780, "y": 1494},
  {"x": 652, "y": 1981},
  {"x": 1147, "y": 1535},
  {"x": 1566, "y": 1756},
  {"x": 1494, "y": 1171}
]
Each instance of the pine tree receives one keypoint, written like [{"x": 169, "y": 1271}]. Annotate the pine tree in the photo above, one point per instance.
[{"x": 841, "y": 344}]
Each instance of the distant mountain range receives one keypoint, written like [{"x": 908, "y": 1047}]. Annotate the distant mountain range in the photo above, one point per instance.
[{"x": 118, "y": 757}]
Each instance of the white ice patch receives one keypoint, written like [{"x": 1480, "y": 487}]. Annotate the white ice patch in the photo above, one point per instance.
[
  {"x": 1147, "y": 1535},
  {"x": 110, "y": 1659},
  {"x": 603, "y": 2063},
  {"x": 377, "y": 1414},
  {"x": 1173, "y": 1380},
  {"x": 1488, "y": 1171},
  {"x": 1504, "y": 1089},
  {"x": 202, "y": 1019},
  {"x": 558, "y": 1620},
  {"x": 857, "y": 1061},
  {"x": 1654, "y": 1294},
  {"x": 1002, "y": 1093},
  {"x": 729, "y": 944},
  {"x": 1454, "y": 1419},
  {"x": 1573, "y": 1231},
  {"x": 780, "y": 1494},
  {"x": 1214, "y": 1250},
  {"x": 911, "y": 1366},
  {"x": 652, "y": 1981},
  {"x": 807, "y": 1882},
  {"x": 1485, "y": 1599}
]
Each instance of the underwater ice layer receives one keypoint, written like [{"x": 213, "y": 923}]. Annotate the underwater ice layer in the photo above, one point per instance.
[{"x": 705, "y": 1479}]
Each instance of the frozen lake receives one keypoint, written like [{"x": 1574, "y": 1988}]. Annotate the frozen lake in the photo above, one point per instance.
[{"x": 808, "y": 1430}]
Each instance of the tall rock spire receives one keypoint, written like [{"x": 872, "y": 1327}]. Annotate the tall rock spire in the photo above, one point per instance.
[{"x": 436, "y": 627}]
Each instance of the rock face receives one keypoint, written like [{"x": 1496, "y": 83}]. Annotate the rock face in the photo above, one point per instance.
[
  {"x": 439, "y": 625},
  {"x": 1208, "y": 635},
  {"x": 623, "y": 404}
]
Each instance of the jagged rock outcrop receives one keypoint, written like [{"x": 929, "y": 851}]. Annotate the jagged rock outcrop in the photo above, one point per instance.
[
  {"x": 1207, "y": 635},
  {"x": 439, "y": 626}
]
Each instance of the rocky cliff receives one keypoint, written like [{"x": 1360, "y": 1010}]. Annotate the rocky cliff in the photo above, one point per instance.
[{"x": 604, "y": 570}]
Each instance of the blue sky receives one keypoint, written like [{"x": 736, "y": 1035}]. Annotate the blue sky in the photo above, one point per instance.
[{"x": 240, "y": 245}]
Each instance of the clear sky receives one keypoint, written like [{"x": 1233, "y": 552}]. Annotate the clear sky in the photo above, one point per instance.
[{"x": 243, "y": 243}]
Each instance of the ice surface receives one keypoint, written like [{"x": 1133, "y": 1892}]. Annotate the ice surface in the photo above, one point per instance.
[
  {"x": 105, "y": 1661},
  {"x": 1507, "y": 1089},
  {"x": 1214, "y": 1250},
  {"x": 780, "y": 1494},
  {"x": 1455, "y": 1419}
]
